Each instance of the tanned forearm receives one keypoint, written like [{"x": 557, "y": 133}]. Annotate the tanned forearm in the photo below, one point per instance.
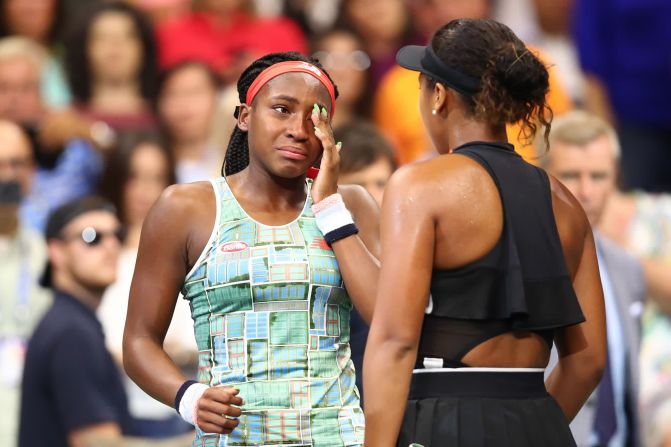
[
  {"x": 360, "y": 271},
  {"x": 571, "y": 383},
  {"x": 387, "y": 369},
  {"x": 143, "y": 357}
]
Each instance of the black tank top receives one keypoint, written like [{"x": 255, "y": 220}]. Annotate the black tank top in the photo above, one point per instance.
[{"x": 521, "y": 284}]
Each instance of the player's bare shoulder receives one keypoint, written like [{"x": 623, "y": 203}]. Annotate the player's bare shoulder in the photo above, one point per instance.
[{"x": 182, "y": 207}]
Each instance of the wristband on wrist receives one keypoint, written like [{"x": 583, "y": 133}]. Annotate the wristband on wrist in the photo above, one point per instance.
[
  {"x": 334, "y": 219},
  {"x": 327, "y": 202},
  {"x": 181, "y": 391},
  {"x": 187, "y": 398},
  {"x": 340, "y": 233}
]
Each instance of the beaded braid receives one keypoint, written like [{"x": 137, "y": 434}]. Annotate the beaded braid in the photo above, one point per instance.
[{"x": 237, "y": 153}]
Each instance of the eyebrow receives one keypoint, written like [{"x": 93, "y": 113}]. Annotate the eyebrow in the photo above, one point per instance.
[
  {"x": 286, "y": 98},
  {"x": 292, "y": 100}
]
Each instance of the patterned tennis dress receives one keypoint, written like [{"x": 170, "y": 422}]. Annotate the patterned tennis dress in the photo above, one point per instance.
[{"x": 271, "y": 318}]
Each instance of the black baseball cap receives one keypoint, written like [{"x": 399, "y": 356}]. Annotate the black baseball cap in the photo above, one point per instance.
[
  {"x": 424, "y": 59},
  {"x": 63, "y": 215}
]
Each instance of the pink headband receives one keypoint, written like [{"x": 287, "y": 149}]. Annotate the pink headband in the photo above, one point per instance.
[{"x": 288, "y": 67}]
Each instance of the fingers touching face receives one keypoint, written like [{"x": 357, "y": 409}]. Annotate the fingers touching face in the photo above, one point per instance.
[{"x": 280, "y": 125}]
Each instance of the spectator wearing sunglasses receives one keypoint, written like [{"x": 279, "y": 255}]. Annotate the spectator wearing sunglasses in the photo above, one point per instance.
[{"x": 71, "y": 392}]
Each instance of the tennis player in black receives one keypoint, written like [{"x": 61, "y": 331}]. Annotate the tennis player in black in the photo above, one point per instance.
[{"x": 486, "y": 261}]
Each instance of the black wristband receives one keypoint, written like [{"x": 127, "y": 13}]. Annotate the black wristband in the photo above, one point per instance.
[
  {"x": 340, "y": 233},
  {"x": 180, "y": 392}
]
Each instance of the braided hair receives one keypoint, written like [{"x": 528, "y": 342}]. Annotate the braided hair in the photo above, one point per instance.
[{"x": 237, "y": 153}]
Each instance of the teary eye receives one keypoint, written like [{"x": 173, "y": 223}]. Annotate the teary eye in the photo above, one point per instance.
[{"x": 281, "y": 109}]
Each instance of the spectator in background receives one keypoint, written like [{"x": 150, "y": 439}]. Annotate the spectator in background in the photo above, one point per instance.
[
  {"x": 624, "y": 49},
  {"x": 641, "y": 223},
  {"x": 227, "y": 35},
  {"x": 21, "y": 68},
  {"x": 546, "y": 24},
  {"x": 583, "y": 155},
  {"x": 395, "y": 103},
  {"x": 42, "y": 22},
  {"x": 384, "y": 26},
  {"x": 314, "y": 16},
  {"x": 68, "y": 165},
  {"x": 342, "y": 53},
  {"x": 71, "y": 392},
  {"x": 136, "y": 173},
  {"x": 366, "y": 159},
  {"x": 22, "y": 256},
  {"x": 111, "y": 66},
  {"x": 555, "y": 39},
  {"x": 186, "y": 108}
]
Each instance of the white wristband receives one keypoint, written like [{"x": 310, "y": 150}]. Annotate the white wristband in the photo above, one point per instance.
[
  {"x": 187, "y": 406},
  {"x": 335, "y": 216}
]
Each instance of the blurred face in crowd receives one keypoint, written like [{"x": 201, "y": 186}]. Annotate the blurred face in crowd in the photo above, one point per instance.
[
  {"x": 374, "y": 178},
  {"x": 187, "y": 103},
  {"x": 114, "y": 48},
  {"x": 343, "y": 57},
  {"x": 147, "y": 177},
  {"x": 92, "y": 266},
  {"x": 429, "y": 15},
  {"x": 20, "y": 97},
  {"x": 380, "y": 20},
  {"x": 589, "y": 172},
  {"x": 16, "y": 156},
  {"x": 30, "y": 18}
]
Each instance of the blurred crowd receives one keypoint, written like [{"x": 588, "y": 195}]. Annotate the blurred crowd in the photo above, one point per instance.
[{"x": 123, "y": 98}]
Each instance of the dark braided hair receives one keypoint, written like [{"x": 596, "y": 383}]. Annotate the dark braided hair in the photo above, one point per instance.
[{"x": 237, "y": 153}]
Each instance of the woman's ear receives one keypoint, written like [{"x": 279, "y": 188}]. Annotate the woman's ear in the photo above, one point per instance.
[
  {"x": 243, "y": 117},
  {"x": 440, "y": 97}
]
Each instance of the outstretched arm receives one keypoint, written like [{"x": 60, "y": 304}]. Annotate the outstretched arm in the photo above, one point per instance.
[{"x": 407, "y": 261}]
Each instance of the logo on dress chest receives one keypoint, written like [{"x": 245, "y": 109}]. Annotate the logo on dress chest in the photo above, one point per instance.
[{"x": 233, "y": 247}]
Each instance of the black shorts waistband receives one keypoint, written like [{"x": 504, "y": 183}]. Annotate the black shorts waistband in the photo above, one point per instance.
[{"x": 493, "y": 384}]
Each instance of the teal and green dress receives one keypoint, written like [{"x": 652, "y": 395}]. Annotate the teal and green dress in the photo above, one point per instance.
[{"x": 271, "y": 318}]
